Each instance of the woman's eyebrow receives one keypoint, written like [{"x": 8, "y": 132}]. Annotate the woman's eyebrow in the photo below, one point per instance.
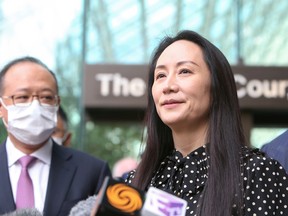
[{"x": 185, "y": 62}]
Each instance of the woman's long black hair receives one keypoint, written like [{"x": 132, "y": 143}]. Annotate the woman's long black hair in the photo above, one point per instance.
[{"x": 225, "y": 132}]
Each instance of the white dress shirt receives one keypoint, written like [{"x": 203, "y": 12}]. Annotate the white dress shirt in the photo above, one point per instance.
[{"x": 38, "y": 171}]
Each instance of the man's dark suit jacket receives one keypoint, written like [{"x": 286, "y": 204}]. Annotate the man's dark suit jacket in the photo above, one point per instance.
[
  {"x": 74, "y": 176},
  {"x": 278, "y": 149}
]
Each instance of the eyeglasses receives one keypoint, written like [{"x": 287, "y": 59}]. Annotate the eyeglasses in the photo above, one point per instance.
[{"x": 44, "y": 99}]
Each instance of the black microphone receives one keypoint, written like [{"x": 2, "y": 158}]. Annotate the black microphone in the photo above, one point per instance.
[
  {"x": 24, "y": 212},
  {"x": 115, "y": 198}
]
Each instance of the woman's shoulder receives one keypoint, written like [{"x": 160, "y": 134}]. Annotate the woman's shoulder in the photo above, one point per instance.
[
  {"x": 265, "y": 184},
  {"x": 255, "y": 157},
  {"x": 256, "y": 161}
]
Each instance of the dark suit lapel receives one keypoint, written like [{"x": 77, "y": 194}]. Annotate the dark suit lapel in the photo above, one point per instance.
[
  {"x": 60, "y": 177},
  {"x": 7, "y": 203}
]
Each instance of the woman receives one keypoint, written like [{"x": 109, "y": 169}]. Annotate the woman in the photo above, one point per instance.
[{"x": 195, "y": 146}]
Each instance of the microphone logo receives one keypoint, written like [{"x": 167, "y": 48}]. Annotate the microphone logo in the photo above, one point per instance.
[
  {"x": 124, "y": 198},
  {"x": 161, "y": 203},
  {"x": 117, "y": 198}
]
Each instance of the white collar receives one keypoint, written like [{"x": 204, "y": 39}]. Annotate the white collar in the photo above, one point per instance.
[{"x": 43, "y": 154}]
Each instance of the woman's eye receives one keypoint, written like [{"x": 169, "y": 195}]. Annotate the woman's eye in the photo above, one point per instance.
[
  {"x": 159, "y": 76},
  {"x": 185, "y": 71}
]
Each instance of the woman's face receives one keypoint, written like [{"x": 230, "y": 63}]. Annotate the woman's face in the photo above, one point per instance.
[{"x": 181, "y": 88}]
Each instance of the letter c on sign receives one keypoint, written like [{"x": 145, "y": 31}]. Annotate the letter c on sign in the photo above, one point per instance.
[{"x": 240, "y": 79}]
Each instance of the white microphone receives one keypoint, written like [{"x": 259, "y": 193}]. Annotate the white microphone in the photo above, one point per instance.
[
  {"x": 161, "y": 203},
  {"x": 24, "y": 212}
]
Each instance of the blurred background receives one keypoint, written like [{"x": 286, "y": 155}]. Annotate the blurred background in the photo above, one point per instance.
[{"x": 65, "y": 34}]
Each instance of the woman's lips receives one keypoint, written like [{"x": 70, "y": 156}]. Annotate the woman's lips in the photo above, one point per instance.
[{"x": 171, "y": 103}]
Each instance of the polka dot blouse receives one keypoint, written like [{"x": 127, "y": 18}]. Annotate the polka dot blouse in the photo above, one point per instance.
[{"x": 265, "y": 181}]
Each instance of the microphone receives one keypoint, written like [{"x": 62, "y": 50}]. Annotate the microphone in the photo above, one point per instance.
[
  {"x": 115, "y": 198},
  {"x": 161, "y": 203},
  {"x": 84, "y": 207},
  {"x": 24, "y": 212}
]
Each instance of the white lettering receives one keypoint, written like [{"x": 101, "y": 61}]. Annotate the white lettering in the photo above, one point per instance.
[
  {"x": 254, "y": 88},
  {"x": 239, "y": 78},
  {"x": 270, "y": 89},
  {"x": 261, "y": 88},
  {"x": 120, "y": 86},
  {"x": 137, "y": 87},
  {"x": 117, "y": 85},
  {"x": 104, "y": 83},
  {"x": 283, "y": 88}
]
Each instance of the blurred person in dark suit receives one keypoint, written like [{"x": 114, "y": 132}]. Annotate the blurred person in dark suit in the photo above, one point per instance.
[
  {"x": 62, "y": 135},
  {"x": 60, "y": 176},
  {"x": 278, "y": 149}
]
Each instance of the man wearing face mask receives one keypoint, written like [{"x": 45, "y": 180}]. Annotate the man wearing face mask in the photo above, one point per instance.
[
  {"x": 62, "y": 135},
  {"x": 35, "y": 172}
]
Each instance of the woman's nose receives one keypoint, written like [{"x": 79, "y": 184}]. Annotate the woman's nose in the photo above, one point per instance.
[{"x": 170, "y": 85}]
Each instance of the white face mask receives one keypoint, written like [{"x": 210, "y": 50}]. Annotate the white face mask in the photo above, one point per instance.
[{"x": 31, "y": 124}]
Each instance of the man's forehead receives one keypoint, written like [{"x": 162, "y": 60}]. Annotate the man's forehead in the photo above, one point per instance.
[
  {"x": 28, "y": 70},
  {"x": 29, "y": 86},
  {"x": 27, "y": 66}
]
